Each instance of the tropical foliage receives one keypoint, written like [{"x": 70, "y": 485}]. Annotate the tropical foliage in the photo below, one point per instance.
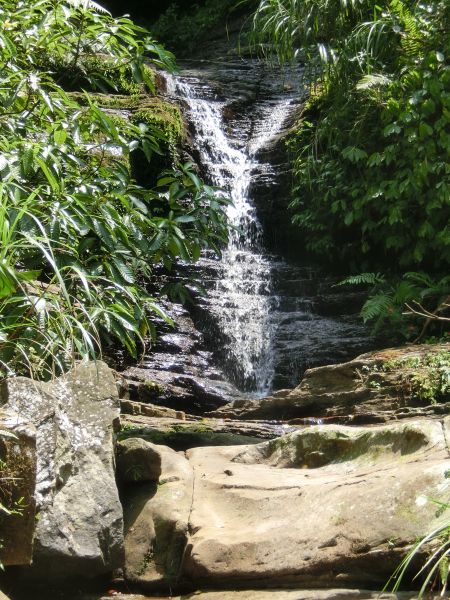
[
  {"x": 371, "y": 153},
  {"x": 78, "y": 235},
  {"x": 435, "y": 569},
  {"x": 411, "y": 305},
  {"x": 182, "y": 27}
]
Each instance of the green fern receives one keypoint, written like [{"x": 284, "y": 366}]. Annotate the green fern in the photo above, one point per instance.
[
  {"x": 412, "y": 39},
  {"x": 375, "y": 80},
  {"x": 88, "y": 4},
  {"x": 377, "y": 306},
  {"x": 363, "y": 279}
]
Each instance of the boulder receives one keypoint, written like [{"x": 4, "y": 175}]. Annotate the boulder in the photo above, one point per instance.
[
  {"x": 17, "y": 488},
  {"x": 323, "y": 507},
  {"x": 156, "y": 517},
  {"x": 376, "y": 387},
  {"x": 137, "y": 461},
  {"x": 80, "y": 526}
]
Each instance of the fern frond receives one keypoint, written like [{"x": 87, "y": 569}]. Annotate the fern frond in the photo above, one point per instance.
[
  {"x": 405, "y": 291},
  {"x": 363, "y": 278},
  {"x": 421, "y": 278},
  {"x": 376, "y": 306},
  {"x": 88, "y": 4},
  {"x": 373, "y": 81}
]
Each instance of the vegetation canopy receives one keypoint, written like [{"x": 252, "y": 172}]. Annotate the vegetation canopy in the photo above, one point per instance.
[
  {"x": 371, "y": 153},
  {"x": 78, "y": 235}
]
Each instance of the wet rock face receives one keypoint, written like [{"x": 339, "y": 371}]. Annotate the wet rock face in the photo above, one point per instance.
[
  {"x": 266, "y": 319},
  {"x": 253, "y": 93},
  {"x": 313, "y": 323},
  {"x": 179, "y": 373},
  {"x": 376, "y": 387},
  {"x": 80, "y": 525}
]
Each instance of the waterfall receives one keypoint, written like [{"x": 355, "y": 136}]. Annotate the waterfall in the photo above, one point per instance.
[{"x": 243, "y": 291}]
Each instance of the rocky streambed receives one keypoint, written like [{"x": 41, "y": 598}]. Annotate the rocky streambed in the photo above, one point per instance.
[{"x": 315, "y": 492}]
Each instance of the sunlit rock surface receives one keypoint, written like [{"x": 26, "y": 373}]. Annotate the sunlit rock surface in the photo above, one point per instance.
[
  {"x": 323, "y": 506},
  {"x": 156, "y": 512},
  {"x": 320, "y": 507},
  {"x": 80, "y": 527}
]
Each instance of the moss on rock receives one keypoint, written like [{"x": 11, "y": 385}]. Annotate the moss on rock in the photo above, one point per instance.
[{"x": 160, "y": 114}]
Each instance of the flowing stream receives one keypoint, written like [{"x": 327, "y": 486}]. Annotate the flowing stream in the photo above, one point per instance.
[
  {"x": 267, "y": 319},
  {"x": 243, "y": 292}
]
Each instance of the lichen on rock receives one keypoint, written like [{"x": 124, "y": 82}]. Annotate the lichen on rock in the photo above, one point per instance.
[{"x": 80, "y": 526}]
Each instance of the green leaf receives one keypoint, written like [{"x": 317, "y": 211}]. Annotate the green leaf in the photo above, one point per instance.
[
  {"x": 59, "y": 136},
  {"x": 354, "y": 154}
]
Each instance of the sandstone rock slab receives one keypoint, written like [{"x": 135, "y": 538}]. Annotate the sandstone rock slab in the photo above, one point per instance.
[
  {"x": 276, "y": 594},
  {"x": 324, "y": 507},
  {"x": 80, "y": 525},
  {"x": 184, "y": 434},
  {"x": 150, "y": 410}
]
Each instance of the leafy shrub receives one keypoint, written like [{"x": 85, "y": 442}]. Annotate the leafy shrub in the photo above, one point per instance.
[
  {"x": 78, "y": 235},
  {"x": 435, "y": 569},
  {"x": 372, "y": 149},
  {"x": 182, "y": 28},
  {"x": 412, "y": 305}
]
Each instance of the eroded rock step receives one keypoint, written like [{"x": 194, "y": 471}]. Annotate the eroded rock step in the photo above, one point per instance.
[
  {"x": 247, "y": 516},
  {"x": 183, "y": 434},
  {"x": 336, "y": 594},
  {"x": 377, "y": 387}
]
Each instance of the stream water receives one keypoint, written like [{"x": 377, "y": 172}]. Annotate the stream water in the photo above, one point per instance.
[
  {"x": 244, "y": 292},
  {"x": 236, "y": 112}
]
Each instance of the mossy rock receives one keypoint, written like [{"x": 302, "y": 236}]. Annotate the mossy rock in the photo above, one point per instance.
[
  {"x": 319, "y": 446},
  {"x": 189, "y": 435},
  {"x": 163, "y": 119},
  {"x": 149, "y": 390},
  {"x": 162, "y": 115},
  {"x": 141, "y": 108},
  {"x": 110, "y": 101},
  {"x": 106, "y": 71}
]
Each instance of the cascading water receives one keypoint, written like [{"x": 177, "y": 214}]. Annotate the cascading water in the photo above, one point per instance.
[{"x": 244, "y": 289}]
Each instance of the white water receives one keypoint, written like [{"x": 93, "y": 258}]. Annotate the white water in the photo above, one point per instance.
[{"x": 244, "y": 290}]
